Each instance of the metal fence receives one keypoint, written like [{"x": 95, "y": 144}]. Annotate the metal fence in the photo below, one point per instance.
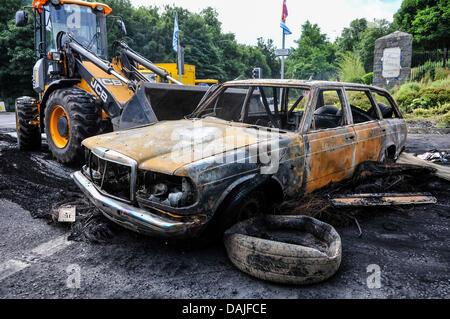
[
  {"x": 420, "y": 57},
  {"x": 424, "y": 62}
]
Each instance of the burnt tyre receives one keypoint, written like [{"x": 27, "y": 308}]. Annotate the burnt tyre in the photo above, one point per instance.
[
  {"x": 285, "y": 249},
  {"x": 70, "y": 116},
  {"x": 27, "y": 124}
]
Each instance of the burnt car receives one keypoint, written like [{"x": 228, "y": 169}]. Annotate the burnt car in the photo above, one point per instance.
[{"x": 248, "y": 144}]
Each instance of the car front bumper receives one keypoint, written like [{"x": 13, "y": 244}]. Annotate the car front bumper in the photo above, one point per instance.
[{"x": 134, "y": 218}]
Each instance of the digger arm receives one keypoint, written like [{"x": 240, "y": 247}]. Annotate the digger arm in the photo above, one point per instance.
[
  {"x": 132, "y": 55},
  {"x": 99, "y": 62}
]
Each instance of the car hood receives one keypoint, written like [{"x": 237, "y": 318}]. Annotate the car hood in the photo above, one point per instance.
[{"x": 169, "y": 145}]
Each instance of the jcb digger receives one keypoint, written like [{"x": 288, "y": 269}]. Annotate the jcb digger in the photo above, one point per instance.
[{"x": 81, "y": 93}]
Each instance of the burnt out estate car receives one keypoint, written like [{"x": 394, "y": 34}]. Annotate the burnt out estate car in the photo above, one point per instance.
[{"x": 248, "y": 144}]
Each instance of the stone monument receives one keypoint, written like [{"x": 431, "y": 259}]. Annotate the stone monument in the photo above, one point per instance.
[{"x": 392, "y": 59}]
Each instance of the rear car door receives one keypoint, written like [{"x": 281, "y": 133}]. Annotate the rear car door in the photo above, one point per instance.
[
  {"x": 328, "y": 138},
  {"x": 365, "y": 117},
  {"x": 393, "y": 126}
]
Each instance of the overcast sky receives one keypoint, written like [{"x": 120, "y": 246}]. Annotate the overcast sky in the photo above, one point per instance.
[{"x": 250, "y": 19}]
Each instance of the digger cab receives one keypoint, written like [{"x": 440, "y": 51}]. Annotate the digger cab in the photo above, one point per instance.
[{"x": 84, "y": 21}]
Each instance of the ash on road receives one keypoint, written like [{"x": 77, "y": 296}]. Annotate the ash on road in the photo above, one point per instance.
[{"x": 409, "y": 246}]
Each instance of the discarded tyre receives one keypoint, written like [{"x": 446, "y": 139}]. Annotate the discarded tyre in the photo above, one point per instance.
[{"x": 285, "y": 249}]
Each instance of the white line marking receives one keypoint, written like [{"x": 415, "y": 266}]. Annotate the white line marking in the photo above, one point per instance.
[
  {"x": 49, "y": 248},
  {"x": 42, "y": 251},
  {"x": 11, "y": 267}
]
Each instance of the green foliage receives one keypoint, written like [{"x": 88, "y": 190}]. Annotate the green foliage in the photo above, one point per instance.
[
  {"x": 434, "y": 97},
  {"x": 368, "y": 78},
  {"x": 420, "y": 112},
  {"x": 315, "y": 56},
  {"x": 441, "y": 73},
  {"x": 442, "y": 108},
  {"x": 351, "y": 36},
  {"x": 16, "y": 54},
  {"x": 427, "y": 20},
  {"x": 428, "y": 69},
  {"x": 406, "y": 94},
  {"x": 350, "y": 68},
  {"x": 444, "y": 120},
  {"x": 441, "y": 83},
  {"x": 366, "y": 46}
]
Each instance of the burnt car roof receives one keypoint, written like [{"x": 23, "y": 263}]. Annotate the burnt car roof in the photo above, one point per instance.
[{"x": 303, "y": 83}]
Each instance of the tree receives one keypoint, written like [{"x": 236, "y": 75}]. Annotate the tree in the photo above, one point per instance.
[
  {"x": 351, "y": 36},
  {"x": 314, "y": 57},
  {"x": 427, "y": 20},
  {"x": 273, "y": 62},
  {"x": 366, "y": 46},
  {"x": 16, "y": 54},
  {"x": 350, "y": 68}
]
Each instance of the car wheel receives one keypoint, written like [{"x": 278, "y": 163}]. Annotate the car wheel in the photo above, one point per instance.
[{"x": 245, "y": 201}]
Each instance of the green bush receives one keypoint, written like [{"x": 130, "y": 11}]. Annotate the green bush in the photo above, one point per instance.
[
  {"x": 427, "y": 70},
  {"x": 421, "y": 112},
  {"x": 442, "y": 109},
  {"x": 435, "y": 96},
  {"x": 441, "y": 84},
  {"x": 406, "y": 94},
  {"x": 367, "y": 78},
  {"x": 350, "y": 68},
  {"x": 441, "y": 73},
  {"x": 444, "y": 120}
]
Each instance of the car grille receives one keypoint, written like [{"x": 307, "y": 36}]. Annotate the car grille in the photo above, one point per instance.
[{"x": 112, "y": 173}]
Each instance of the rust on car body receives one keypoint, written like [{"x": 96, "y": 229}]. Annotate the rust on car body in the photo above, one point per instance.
[{"x": 288, "y": 136}]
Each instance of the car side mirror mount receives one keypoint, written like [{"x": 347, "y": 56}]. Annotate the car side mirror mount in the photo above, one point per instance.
[{"x": 21, "y": 18}]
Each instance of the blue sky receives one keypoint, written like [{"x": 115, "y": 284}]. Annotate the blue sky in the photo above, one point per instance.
[{"x": 250, "y": 19}]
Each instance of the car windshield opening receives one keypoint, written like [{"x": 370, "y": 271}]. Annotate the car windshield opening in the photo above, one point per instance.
[{"x": 268, "y": 106}]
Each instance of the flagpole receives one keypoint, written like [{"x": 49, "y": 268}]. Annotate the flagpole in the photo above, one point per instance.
[
  {"x": 282, "y": 57},
  {"x": 180, "y": 72}
]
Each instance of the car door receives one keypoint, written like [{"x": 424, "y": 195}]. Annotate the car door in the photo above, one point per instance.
[
  {"x": 329, "y": 144},
  {"x": 393, "y": 126},
  {"x": 365, "y": 117}
]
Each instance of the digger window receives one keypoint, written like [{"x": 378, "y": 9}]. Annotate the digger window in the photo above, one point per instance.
[{"x": 87, "y": 27}]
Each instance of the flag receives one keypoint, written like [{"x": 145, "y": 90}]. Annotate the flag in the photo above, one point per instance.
[
  {"x": 175, "y": 34},
  {"x": 284, "y": 15}
]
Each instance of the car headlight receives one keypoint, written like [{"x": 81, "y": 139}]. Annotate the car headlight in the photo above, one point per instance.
[{"x": 169, "y": 190}]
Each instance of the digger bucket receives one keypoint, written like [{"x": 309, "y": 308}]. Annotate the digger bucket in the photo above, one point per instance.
[{"x": 158, "y": 102}]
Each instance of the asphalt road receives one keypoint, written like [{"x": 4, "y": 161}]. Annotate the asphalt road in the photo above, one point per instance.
[{"x": 410, "y": 248}]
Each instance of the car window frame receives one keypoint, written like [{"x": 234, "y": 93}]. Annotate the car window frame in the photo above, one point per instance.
[
  {"x": 223, "y": 87},
  {"x": 305, "y": 125},
  {"x": 371, "y": 99},
  {"x": 391, "y": 100}
]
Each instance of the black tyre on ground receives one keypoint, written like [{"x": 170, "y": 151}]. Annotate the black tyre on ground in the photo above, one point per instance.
[
  {"x": 28, "y": 133},
  {"x": 285, "y": 249},
  {"x": 70, "y": 116}
]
